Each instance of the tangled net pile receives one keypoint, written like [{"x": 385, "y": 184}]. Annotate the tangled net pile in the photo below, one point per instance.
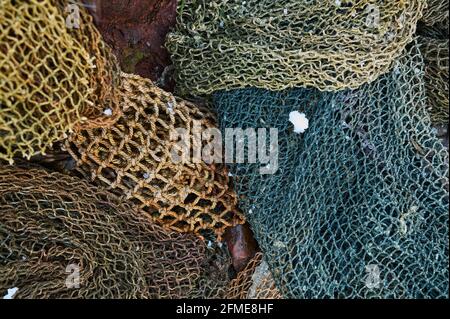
[
  {"x": 331, "y": 45},
  {"x": 52, "y": 78},
  {"x": 359, "y": 204},
  {"x": 254, "y": 282},
  {"x": 49, "y": 221},
  {"x": 133, "y": 157}
]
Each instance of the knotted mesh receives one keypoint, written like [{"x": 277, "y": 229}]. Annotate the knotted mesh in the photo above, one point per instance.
[
  {"x": 50, "y": 224},
  {"x": 359, "y": 204},
  {"x": 253, "y": 282},
  {"x": 52, "y": 77},
  {"x": 436, "y": 13},
  {"x": 435, "y": 54},
  {"x": 134, "y": 158},
  {"x": 330, "y": 45}
]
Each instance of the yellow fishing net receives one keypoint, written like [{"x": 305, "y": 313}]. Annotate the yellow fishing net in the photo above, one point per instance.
[{"x": 53, "y": 75}]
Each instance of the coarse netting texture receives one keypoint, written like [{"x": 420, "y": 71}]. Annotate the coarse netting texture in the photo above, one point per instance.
[
  {"x": 254, "y": 282},
  {"x": 359, "y": 204},
  {"x": 50, "y": 224},
  {"x": 134, "y": 158},
  {"x": 435, "y": 54},
  {"x": 52, "y": 77},
  {"x": 329, "y": 45},
  {"x": 437, "y": 12}
]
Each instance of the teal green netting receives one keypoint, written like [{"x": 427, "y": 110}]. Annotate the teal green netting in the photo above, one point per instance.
[{"x": 359, "y": 204}]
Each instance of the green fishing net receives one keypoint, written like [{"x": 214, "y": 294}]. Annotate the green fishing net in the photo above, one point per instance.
[
  {"x": 330, "y": 45},
  {"x": 359, "y": 204}
]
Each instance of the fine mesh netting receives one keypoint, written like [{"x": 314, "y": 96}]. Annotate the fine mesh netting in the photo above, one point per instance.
[
  {"x": 436, "y": 13},
  {"x": 133, "y": 157},
  {"x": 51, "y": 223},
  {"x": 359, "y": 204},
  {"x": 433, "y": 33},
  {"x": 436, "y": 55},
  {"x": 52, "y": 77},
  {"x": 330, "y": 45},
  {"x": 253, "y": 282}
]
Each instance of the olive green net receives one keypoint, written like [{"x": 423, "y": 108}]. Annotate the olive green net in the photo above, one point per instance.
[
  {"x": 437, "y": 12},
  {"x": 330, "y": 45},
  {"x": 359, "y": 204},
  {"x": 54, "y": 228},
  {"x": 434, "y": 33}
]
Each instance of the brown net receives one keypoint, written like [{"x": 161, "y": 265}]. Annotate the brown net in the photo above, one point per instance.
[
  {"x": 54, "y": 227},
  {"x": 133, "y": 157},
  {"x": 254, "y": 282},
  {"x": 330, "y": 45},
  {"x": 53, "y": 76}
]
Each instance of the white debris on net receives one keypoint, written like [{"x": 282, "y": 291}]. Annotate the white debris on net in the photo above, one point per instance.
[
  {"x": 11, "y": 293},
  {"x": 299, "y": 120},
  {"x": 261, "y": 273},
  {"x": 107, "y": 112},
  {"x": 170, "y": 107}
]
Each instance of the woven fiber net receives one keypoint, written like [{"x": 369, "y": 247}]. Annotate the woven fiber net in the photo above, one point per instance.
[
  {"x": 359, "y": 204},
  {"x": 52, "y": 77},
  {"x": 133, "y": 157},
  {"x": 437, "y": 12},
  {"x": 51, "y": 223},
  {"x": 254, "y": 282},
  {"x": 330, "y": 45},
  {"x": 436, "y": 55}
]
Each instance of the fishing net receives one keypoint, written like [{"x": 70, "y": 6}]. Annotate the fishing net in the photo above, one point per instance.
[
  {"x": 436, "y": 55},
  {"x": 254, "y": 282},
  {"x": 359, "y": 204},
  {"x": 53, "y": 75},
  {"x": 436, "y": 13},
  {"x": 134, "y": 158},
  {"x": 54, "y": 227},
  {"x": 330, "y": 45}
]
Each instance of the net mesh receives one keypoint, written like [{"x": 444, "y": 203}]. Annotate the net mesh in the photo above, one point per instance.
[
  {"x": 331, "y": 45},
  {"x": 52, "y": 77},
  {"x": 133, "y": 157},
  {"x": 436, "y": 13},
  {"x": 359, "y": 204},
  {"x": 254, "y": 282},
  {"x": 51, "y": 222},
  {"x": 435, "y": 54}
]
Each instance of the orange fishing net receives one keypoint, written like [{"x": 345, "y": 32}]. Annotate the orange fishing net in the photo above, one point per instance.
[{"x": 133, "y": 157}]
